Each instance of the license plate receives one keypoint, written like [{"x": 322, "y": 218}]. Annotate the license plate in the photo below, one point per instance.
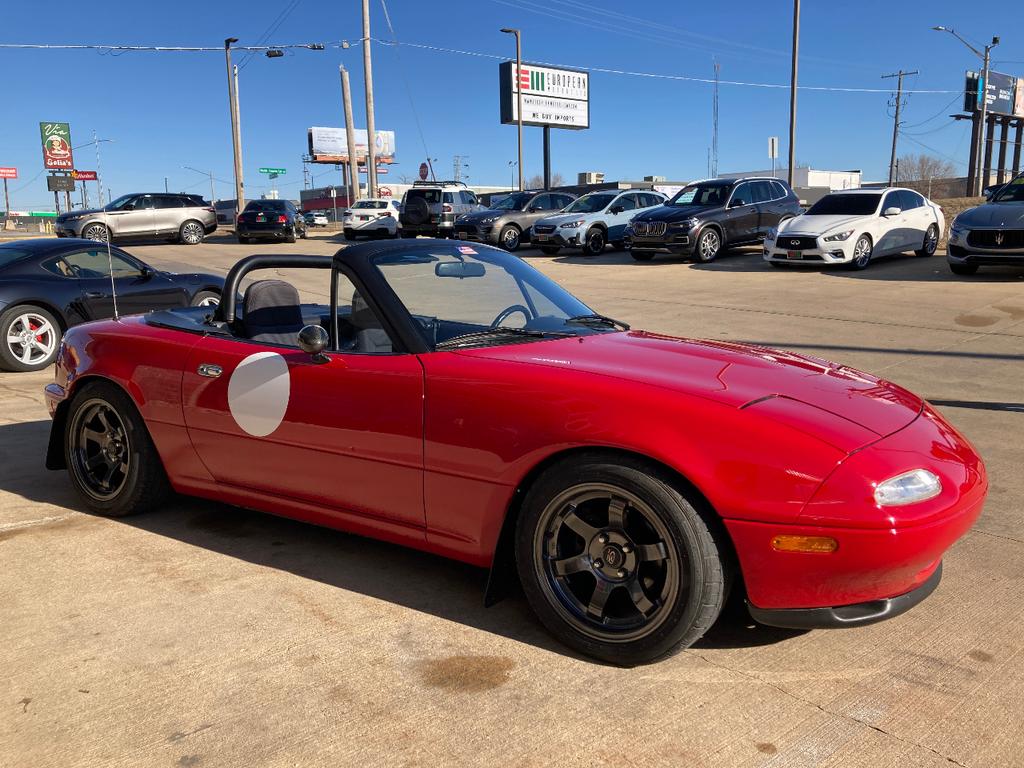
[
  {"x": 794, "y": 255},
  {"x": 260, "y": 217},
  {"x": 541, "y": 237},
  {"x": 364, "y": 218},
  {"x": 461, "y": 234}
]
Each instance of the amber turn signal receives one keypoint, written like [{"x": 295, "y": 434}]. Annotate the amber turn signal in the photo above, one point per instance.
[{"x": 793, "y": 543}]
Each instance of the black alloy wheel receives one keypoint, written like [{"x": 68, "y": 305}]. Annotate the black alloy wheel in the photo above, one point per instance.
[
  {"x": 510, "y": 237},
  {"x": 616, "y": 561},
  {"x": 595, "y": 242},
  {"x": 931, "y": 242},
  {"x": 109, "y": 453}
]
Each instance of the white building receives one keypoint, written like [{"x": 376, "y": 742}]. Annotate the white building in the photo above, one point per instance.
[{"x": 808, "y": 178}]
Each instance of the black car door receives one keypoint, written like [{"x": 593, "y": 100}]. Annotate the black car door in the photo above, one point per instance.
[
  {"x": 740, "y": 217},
  {"x": 139, "y": 288}
]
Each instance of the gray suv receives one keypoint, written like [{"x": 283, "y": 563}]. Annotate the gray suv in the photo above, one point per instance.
[
  {"x": 509, "y": 222},
  {"x": 178, "y": 218},
  {"x": 991, "y": 234}
]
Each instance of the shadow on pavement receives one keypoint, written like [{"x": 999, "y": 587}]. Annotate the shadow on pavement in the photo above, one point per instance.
[{"x": 416, "y": 580}]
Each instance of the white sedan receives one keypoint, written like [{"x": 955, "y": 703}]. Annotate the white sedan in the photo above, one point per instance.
[
  {"x": 371, "y": 217},
  {"x": 854, "y": 226}
]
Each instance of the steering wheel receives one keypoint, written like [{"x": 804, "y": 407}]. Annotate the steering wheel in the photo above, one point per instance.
[{"x": 506, "y": 313}]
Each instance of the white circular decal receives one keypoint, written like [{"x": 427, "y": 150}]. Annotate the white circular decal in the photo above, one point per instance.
[{"x": 258, "y": 393}]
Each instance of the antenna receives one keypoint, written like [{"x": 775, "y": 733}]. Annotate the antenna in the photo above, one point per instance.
[{"x": 110, "y": 264}]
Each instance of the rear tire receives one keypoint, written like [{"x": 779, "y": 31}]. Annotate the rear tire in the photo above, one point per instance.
[
  {"x": 931, "y": 242},
  {"x": 38, "y": 334},
  {"x": 963, "y": 269},
  {"x": 206, "y": 299},
  {"x": 110, "y": 456},
  {"x": 618, "y": 559}
]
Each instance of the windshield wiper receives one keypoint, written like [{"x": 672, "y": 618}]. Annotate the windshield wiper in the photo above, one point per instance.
[
  {"x": 596, "y": 319},
  {"x": 468, "y": 339}
]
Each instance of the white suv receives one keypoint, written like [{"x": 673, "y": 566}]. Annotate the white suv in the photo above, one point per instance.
[
  {"x": 373, "y": 217},
  {"x": 431, "y": 207},
  {"x": 594, "y": 220}
]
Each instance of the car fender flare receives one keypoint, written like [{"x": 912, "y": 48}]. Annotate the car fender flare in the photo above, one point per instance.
[
  {"x": 502, "y": 572},
  {"x": 55, "y": 444}
]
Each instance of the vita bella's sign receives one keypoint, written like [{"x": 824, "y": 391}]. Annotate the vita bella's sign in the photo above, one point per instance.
[
  {"x": 56, "y": 140},
  {"x": 552, "y": 96}
]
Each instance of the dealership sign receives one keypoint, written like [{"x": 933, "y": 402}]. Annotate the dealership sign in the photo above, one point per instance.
[
  {"x": 8, "y": 173},
  {"x": 551, "y": 96},
  {"x": 56, "y": 141},
  {"x": 330, "y": 145}
]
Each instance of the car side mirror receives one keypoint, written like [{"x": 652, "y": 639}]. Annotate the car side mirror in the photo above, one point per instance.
[
  {"x": 737, "y": 202},
  {"x": 616, "y": 209},
  {"x": 129, "y": 207},
  {"x": 148, "y": 272},
  {"x": 532, "y": 209},
  {"x": 892, "y": 211},
  {"x": 313, "y": 340}
]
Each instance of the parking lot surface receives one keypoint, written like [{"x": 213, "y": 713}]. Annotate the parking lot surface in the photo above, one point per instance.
[{"x": 204, "y": 635}]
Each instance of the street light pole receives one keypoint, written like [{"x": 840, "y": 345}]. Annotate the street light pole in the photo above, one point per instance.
[
  {"x": 236, "y": 133},
  {"x": 519, "y": 97},
  {"x": 979, "y": 146},
  {"x": 792, "y": 91}
]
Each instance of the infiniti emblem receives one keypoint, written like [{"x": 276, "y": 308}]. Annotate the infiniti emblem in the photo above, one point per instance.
[{"x": 794, "y": 242}]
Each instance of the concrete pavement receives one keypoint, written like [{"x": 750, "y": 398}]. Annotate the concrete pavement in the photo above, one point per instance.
[{"x": 204, "y": 635}]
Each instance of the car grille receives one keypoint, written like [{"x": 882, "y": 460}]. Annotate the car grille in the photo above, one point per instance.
[
  {"x": 796, "y": 243},
  {"x": 649, "y": 228},
  {"x": 546, "y": 229},
  {"x": 996, "y": 238}
]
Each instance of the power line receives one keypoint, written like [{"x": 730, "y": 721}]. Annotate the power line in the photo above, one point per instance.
[
  {"x": 165, "y": 48},
  {"x": 405, "y": 81},
  {"x": 271, "y": 29}
]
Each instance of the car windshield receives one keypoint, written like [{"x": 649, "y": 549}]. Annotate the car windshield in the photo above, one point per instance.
[
  {"x": 1012, "y": 192},
  {"x": 701, "y": 195},
  {"x": 592, "y": 203},
  {"x": 845, "y": 205},
  {"x": 370, "y": 204},
  {"x": 266, "y": 205},
  {"x": 512, "y": 202},
  {"x": 465, "y": 296}
]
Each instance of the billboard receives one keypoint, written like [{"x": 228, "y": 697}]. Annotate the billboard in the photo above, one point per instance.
[
  {"x": 552, "y": 96},
  {"x": 330, "y": 145},
  {"x": 1000, "y": 93},
  {"x": 56, "y": 142}
]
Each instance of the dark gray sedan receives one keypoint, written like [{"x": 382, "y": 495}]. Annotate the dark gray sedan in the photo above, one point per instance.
[
  {"x": 990, "y": 234},
  {"x": 508, "y": 222}
]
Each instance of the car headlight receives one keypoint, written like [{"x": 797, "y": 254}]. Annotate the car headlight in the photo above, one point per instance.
[
  {"x": 957, "y": 226},
  {"x": 685, "y": 224},
  {"x": 771, "y": 234},
  {"x": 908, "y": 488},
  {"x": 573, "y": 224},
  {"x": 489, "y": 220},
  {"x": 839, "y": 236}
]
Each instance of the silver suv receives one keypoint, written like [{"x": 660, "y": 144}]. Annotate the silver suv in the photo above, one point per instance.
[
  {"x": 431, "y": 207},
  {"x": 178, "y": 218}
]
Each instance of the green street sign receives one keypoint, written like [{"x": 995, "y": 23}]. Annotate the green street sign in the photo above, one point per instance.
[{"x": 273, "y": 170}]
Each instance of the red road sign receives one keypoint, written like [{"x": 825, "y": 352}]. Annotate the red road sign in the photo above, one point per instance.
[
  {"x": 424, "y": 170},
  {"x": 84, "y": 175},
  {"x": 8, "y": 173}
]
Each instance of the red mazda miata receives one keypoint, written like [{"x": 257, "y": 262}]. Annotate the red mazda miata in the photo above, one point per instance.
[{"x": 452, "y": 398}]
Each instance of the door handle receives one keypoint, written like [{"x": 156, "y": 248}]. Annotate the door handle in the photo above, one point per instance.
[
  {"x": 93, "y": 295},
  {"x": 209, "y": 370}
]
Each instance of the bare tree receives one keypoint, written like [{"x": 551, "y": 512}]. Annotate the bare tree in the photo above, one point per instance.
[
  {"x": 925, "y": 167},
  {"x": 537, "y": 181}
]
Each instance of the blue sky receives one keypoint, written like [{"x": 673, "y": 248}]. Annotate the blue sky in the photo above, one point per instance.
[{"x": 167, "y": 110}]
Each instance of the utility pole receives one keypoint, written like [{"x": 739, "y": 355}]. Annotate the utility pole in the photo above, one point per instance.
[
  {"x": 896, "y": 119},
  {"x": 236, "y": 132},
  {"x": 371, "y": 133},
  {"x": 458, "y": 162},
  {"x": 519, "y": 97},
  {"x": 792, "y": 91},
  {"x": 99, "y": 176},
  {"x": 714, "y": 127},
  {"x": 350, "y": 138},
  {"x": 166, "y": 190}
]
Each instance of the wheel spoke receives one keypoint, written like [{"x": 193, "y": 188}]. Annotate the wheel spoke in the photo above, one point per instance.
[
  {"x": 26, "y": 353},
  {"x": 578, "y": 525},
  {"x": 95, "y": 462},
  {"x": 44, "y": 329},
  {"x": 600, "y": 598},
  {"x": 616, "y": 512},
  {"x": 14, "y": 339},
  {"x": 570, "y": 565},
  {"x": 648, "y": 553},
  {"x": 92, "y": 436},
  {"x": 640, "y": 600},
  {"x": 102, "y": 416}
]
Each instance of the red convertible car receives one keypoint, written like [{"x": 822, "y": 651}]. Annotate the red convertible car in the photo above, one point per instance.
[{"x": 452, "y": 398}]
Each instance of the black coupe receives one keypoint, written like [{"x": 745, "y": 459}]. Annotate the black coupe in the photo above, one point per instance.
[{"x": 48, "y": 285}]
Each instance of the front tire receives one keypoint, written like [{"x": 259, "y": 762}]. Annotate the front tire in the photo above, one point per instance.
[
  {"x": 510, "y": 238},
  {"x": 96, "y": 231},
  {"x": 931, "y": 242},
  {"x": 618, "y": 560},
  {"x": 861, "y": 253},
  {"x": 191, "y": 232},
  {"x": 109, "y": 454},
  {"x": 594, "y": 243},
  {"x": 709, "y": 245},
  {"x": 206, "y": 299},
  {"x": 29, "y": 336}
]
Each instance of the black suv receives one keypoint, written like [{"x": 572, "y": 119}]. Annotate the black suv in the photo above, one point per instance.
[
  {"x": 707, "y": 216},
  {"x": 509, "y": 221}
]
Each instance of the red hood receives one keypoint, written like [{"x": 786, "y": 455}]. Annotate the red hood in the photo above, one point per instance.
[{"x": 767, "y": 381}]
